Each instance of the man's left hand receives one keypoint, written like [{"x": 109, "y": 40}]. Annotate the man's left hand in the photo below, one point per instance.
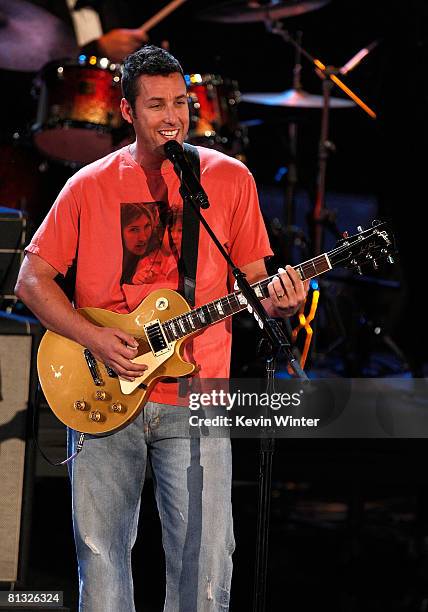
[{"x": 287, "y": 292}]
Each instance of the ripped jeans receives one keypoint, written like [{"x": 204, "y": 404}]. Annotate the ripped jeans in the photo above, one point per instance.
[{"x": 192, "y": 478}]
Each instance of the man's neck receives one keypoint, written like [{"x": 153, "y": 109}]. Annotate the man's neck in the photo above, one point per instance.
[{"x": 148, "y": 161}]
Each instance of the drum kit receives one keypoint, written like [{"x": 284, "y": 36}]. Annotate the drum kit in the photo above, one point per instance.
[{"x": 78, "y": 118}]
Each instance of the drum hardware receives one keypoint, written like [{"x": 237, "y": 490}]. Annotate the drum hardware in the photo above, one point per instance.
[
  {"x": 295, "y": 98},
  {"x": 329, "y": 78},
  {"x": 30, "y": 37},
  {"x": 241, "y": 11}
]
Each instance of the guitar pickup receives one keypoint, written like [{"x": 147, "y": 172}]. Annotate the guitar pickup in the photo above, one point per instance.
[
  {"x": 93, "y": 368},
  {"x": 156, "y": 338}
]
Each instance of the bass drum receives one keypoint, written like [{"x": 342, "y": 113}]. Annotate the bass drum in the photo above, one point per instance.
[
  {"x": 214, "y": 118},
  {"x": 78, "y": 114}
]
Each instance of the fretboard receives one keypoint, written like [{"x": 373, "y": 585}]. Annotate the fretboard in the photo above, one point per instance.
[{"x": 221, "y": 309}]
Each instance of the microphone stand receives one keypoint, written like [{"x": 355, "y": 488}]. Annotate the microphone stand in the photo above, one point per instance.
[{"x": 277, "y": 343}]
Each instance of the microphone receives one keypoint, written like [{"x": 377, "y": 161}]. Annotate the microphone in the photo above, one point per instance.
[{"x": 175, "y": 153}]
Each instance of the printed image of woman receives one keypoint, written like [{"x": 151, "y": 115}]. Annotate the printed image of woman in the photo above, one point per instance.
[{"x": 142, "y": 234}]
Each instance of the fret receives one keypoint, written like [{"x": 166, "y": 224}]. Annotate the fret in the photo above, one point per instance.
[
  {"x": 174, "y": 329},
  {"x": 207, "y": 313},
  {"x": 322, "y": 264},
  {"x": 196, "y": 319},
  {"x": 258, "y": 291},
  {"x": 201, "y": 316},
  {"x": 213, "y": 312},
  {"x": 168, "y": 332},
  {"x": 309, "y": 269},
  {"x": 300, "y": 272},
  {"x": 242, "y": 301},
  {"x": 190, "y": 318},
  {"x": 236, "y": 306},
  {"x": 227, "y": 307},
  {"x": 264, "y": 287},
  {"x": 219, "y": 307},
  {"x": 181, "y": 324},
  {"x": 186, "y": 323}
]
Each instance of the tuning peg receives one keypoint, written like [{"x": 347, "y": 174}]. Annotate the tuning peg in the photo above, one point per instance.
[
  {"x": 357, "y": 267},
  {"x": 375, "y": 265},
  {"x": 360, "y": 229},
  {"x": 390, "y": 259}
]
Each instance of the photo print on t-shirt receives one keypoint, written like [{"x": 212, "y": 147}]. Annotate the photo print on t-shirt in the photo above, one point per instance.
[{"x": 151, "y": 241}]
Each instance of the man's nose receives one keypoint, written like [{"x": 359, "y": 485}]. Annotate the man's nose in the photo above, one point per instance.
[{"x": 170, "y": 115}]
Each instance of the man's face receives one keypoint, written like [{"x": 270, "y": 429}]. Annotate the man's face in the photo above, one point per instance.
[{"x": 161, "y": 112}]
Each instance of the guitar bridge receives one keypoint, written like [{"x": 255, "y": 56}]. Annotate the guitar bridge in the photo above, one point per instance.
[{"x": 156, "y": 338}]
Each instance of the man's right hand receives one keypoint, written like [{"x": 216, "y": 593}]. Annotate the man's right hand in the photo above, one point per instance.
[
  {"x": 119, "y": 43},
  {"x": 115, "y": 348}
]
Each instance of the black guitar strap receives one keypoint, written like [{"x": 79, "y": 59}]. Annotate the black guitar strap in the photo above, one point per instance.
[{"x": 190, "y": 236}]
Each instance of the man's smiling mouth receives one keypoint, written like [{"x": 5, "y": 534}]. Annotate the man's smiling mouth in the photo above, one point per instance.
[{"x": 169, "y": 133}]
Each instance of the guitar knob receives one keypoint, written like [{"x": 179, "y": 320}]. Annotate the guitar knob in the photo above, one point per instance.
[
  {"x": 360, "y": 229},
  {"x": 100, "y": 395},
  {"x": 117, "y": 407},
  {"x": 80, "y": 405},
  {"x": 345, "y": 235},
  {"x": 358, "y": 268},
  {"x": 390, "y": 259},
  {"x": 95, "y": 415},
  {"x": 375, "y": 265}
]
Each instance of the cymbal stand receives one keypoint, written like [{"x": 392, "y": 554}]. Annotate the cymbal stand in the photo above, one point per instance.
[
  {"x": 325, "y": 146},
  {"x": 292, "y": 176},
  {"x": 329, "y": 76}
]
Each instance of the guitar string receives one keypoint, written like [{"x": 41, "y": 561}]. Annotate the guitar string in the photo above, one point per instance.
[{"x": 261, "y": 285}]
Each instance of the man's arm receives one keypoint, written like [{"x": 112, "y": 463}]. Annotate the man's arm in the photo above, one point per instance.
[
  {"x": 118, "y": 43},
  {"x": 37, "y": 288},
  {"x": 287, "y": 292}
]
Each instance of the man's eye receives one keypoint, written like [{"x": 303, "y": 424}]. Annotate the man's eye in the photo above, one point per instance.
[
  {"x": 181, "y": 102},
  {"x": 154, "y": 106}
]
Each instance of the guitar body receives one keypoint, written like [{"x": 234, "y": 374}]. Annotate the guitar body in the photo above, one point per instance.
[{"x": 99, "y": 409}]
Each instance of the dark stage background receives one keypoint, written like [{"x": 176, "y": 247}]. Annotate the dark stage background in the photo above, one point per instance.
[{"x": 349, "y": 517}]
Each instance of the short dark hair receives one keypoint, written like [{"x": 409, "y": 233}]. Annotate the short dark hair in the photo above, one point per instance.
[{"x": 149, "y": 60}]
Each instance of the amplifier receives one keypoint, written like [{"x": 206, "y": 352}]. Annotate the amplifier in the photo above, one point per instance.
[
  {"x": 19, "y": 339},
  {"x": 13, "y": 236}
]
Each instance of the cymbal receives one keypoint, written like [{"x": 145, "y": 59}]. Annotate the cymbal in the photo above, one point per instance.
[
  {"x": 294, "y": 98},
  {"x": 240, "y": 11},
  {"x": 30, "y": 37}
]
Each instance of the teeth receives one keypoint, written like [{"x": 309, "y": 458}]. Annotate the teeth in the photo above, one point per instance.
[{"x": 168, "y": 133}]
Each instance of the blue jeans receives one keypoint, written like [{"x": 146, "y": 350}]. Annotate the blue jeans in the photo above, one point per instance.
[{"x": 192, "y": 478}]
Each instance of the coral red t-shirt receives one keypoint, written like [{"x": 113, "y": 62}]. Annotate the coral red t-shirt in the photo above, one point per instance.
[{"x": 122, "y": 226}]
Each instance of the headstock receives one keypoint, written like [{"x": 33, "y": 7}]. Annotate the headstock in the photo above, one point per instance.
[{"x": 367, "y": 247}]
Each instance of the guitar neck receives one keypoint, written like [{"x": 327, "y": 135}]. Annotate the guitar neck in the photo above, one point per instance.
[{"x": 224, "y": 307}]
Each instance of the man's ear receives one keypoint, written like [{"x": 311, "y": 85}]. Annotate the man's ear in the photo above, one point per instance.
[{"x": 126, "y": 110}]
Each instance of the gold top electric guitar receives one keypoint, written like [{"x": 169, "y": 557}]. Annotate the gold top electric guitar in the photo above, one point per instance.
[{"x": 90, "y": 398}]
